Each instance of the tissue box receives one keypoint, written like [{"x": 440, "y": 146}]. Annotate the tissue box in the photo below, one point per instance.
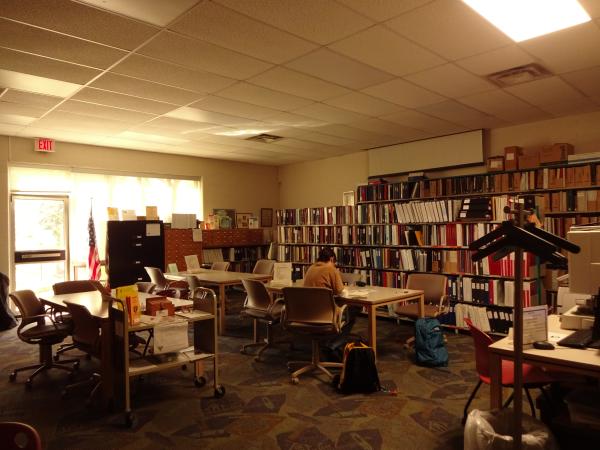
[{"x": 159, "y": 306}]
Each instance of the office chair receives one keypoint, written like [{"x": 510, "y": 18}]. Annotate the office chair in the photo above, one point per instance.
[
  {"x": 261, "y": 307},
  {"x": 312, "y": 311},
  {"x": 533, "y": 377},
  {"x": 350, "y": 278},
  {"x": 178, "y": 288},
  {"x": 44, "y": 333},
  {"x": 145, "y": 286},
  {"x": 264, "y": 267},
  {"x": 436, "y": 300},
  {"x": 19, "y": 436},
  {"x": 220, "y": 265},
  {"x": 86, "y": 337}
]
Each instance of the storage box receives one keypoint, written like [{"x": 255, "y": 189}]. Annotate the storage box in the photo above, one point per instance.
[
  {"x": 495, "y": 164},
  {"x": 555, "y": 153},
  {"x": 529, "y": 161},
  {"x": 157, "y": 306},
  {"x": 511, "y": 157}
]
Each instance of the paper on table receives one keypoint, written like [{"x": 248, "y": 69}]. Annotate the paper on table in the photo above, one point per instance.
[{"x": 355, "y": 292}]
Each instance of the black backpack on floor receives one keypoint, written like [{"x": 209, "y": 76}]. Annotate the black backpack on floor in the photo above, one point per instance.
[{"x": 359, "y": 374}]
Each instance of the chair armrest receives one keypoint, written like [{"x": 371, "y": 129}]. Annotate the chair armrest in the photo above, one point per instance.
[
  {"x": 444, "y": 302},
  {"x": 273, "y": 304},
  {"x": 339, "y": 316}
]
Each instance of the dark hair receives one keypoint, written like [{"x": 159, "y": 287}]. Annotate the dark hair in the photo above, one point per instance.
[{"x": 326, "y": 254}]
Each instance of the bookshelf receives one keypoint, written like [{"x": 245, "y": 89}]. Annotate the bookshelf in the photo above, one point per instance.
[{"x": 416, "y": 226}]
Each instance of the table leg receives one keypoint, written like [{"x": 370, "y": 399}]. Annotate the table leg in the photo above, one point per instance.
[
  {"x": 221, "y": 309},
  {"x": 422, "y": 305},
  {"x": 106, "y": 364},
  {"x": 372, "y": 329},
  {"x": 495, "y": 381}
]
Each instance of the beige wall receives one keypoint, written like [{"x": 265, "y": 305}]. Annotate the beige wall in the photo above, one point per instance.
[
  {"x": 322, "y": 182},
  {"x": 243, "y": 187}
]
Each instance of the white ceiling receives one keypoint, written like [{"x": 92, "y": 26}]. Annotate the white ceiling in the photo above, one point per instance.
[{"x": 329, "y": 76}]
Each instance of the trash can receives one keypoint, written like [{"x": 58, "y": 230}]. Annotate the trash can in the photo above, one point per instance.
[{"x": 492, "y": 430}]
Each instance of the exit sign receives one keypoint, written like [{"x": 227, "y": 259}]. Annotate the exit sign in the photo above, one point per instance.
[{"x": 44, "y": 145}]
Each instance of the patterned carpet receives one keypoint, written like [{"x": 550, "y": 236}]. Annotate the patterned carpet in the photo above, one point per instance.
[{"x": 261, "y": 409}]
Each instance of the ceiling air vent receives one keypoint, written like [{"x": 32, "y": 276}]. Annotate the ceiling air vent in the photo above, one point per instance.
[
  {"x": 264, "y": 138},
  {"x": 519, "y": 75}
]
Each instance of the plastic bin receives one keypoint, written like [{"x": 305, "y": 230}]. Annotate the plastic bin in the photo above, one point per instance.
[{"x": 492, "y": 430}]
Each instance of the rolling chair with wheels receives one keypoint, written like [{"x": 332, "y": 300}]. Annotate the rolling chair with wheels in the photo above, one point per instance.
[
  {"x": 261, "y": 307},
  {"x": 178, "y": 289},
  {"x": 86, "y": 337},
  {"x": 312, "y": 311},
  {"x": 19, "y": 436},
  {"x": 45, "y": 333},
  {"x": 533, "y": 377}
]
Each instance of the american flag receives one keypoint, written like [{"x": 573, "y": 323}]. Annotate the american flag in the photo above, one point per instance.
[{"x": 93, "y": 258}]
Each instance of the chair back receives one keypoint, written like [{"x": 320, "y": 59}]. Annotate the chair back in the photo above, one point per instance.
[
  {"x": 350, "y": 278},
  {"x": 86, "y": 329},
  {"x": 157, "y": 277},
  {"x": 220, "y": 265},
  {"x": 19, "y": 436},
  {"x": 481, "y": 341},
  {"x": 433, "y": 284},
  {"x": 258, "y": 296},
  {"x": 264, "y": 267},
  {"x": 192, "y": 282},
  {"x": 309, "y": 306},
  {"x": 72, "y": 287},
  {"x": 145, "y": 286},
  {"x": 28, "y": 303}
]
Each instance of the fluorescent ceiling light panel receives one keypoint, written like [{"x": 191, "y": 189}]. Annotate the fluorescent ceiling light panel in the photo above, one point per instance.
[
  {"x": 242, "y": 132},
  {"x": 40, "y": 85},
  {"x": 526, "y": 19}
]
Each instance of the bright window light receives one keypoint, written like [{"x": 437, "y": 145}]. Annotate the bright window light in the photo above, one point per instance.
[{"x": 526, "y": 19}]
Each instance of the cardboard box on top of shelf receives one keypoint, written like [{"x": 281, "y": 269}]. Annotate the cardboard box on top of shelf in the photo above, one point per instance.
[
  {"x": 550, "y": 154},
  {"x": 511, "y": 157},
  {"x": 530, "y": 159},
  {"x": 495, "y": 164}
]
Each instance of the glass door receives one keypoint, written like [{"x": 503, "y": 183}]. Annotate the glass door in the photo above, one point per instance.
[{"x": 40, "y": 233}]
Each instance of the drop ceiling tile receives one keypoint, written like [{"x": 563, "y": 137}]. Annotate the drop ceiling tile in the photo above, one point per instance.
[
  {"x": 149, "y": 137},
  {"x": 545, "y": 91},
  {"x": 173, "y": 75},
  {"x": 339, "y": 69},
  {"x": 80, "y": 20},
  {"x": 326, "y": 139},
  {"x": 403, "y": 93},
  {"x": 108, "y": 98},
  {"x": 454, "y": 112},
  {"x": 227, "y": 28},
  {"x": 500, "y": 104},
  {"x": 585, "y": 80},
  {"x": 9, "y": 129},
  {"x": 450, "y": 28},
  {"x": 204, "y": 56},
  {"x": 364, "y": 104},
  {"x": 355, "y": 134},
  {"x": 287, "y": 120},
  {"x": 233, "y": 107},
  {"x": 450, "y": 81},
  {"x": 40, "y": 85},
  {"x": 381, "y": 48},
  {"x": 384, "y": 127},
  {"x": 172, "y": 124},
  {"x": 15, "y": 119},
  {"x": 486, "y": 122},
  {"x": 567, "y": 50},
  {"x": 17, "y": 36},
  {"x": 159, "y": 13},
  {"x": 67, "y": 121},
  {"x": 30, "y": 99},
  {"x": 380, "y": 10},
  {"x": 420, "y": 121},
  {"x": 261, "y": 96},
  {"x": 21, "y": 110},
  {"x": 305, "y": 146},
  {"x": 317, "y": 21},
  {"x": 570, "y": 107},
  {"x": 285, "y": 80},
  {"x": 106, "y": 112},
  {"x": 144, "y": 89},
  {"x": 208, "y": 117},
  {"x": 45, "y": 67},
  {"x": 329, "y": 114},
  {"x": 496, "y": 60}
]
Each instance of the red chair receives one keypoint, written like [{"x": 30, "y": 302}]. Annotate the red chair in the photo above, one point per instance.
[
  {"x": 533, "y": 377},
  {"x": 19, "y": 436}
]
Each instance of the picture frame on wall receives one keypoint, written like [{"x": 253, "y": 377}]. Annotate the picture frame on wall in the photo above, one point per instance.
[
  {"x": 224, "y": 217},
  {"x": 242, "y": 220},
  {"x": 266, "y": 217}
]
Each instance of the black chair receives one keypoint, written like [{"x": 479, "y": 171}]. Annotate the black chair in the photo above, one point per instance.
[{"x": 38, "y": 327}]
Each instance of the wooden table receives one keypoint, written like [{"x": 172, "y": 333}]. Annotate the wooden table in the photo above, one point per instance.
[
  {"x": 375, "y": 296},
  {"x": 219, "y": 278},
  {"x": 583, "y": 362}
]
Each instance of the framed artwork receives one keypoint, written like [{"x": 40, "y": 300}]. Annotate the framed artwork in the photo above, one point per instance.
[
  {"x": 266, "y": 217},
  {"x": 242, "y": 220},
  {"x": 348, "y": 198},
  {"x": 225, "y": 217}
]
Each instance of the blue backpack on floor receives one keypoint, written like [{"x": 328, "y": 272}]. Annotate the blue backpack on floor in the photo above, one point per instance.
[{"x": 430, "y": 349}]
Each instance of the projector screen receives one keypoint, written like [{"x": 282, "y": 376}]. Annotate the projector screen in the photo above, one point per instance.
[{"x": 446, "y": 151}]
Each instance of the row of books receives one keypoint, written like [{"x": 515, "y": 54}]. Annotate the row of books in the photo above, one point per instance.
[
  {"x": 245, "y": 253},
  {"x": 486, "y": 319},
  {"x": 316, "y": 216},
  {"x": 525, "y": 180},
  {"x": 574, "y": 200},
  {"x": 486, "y": 291},
  {"x": 411, "y": 212},
  {"x": 406, "y": 259},
  {"x": 447, "y": 235},
  {"x": 561, "y": 225}
]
